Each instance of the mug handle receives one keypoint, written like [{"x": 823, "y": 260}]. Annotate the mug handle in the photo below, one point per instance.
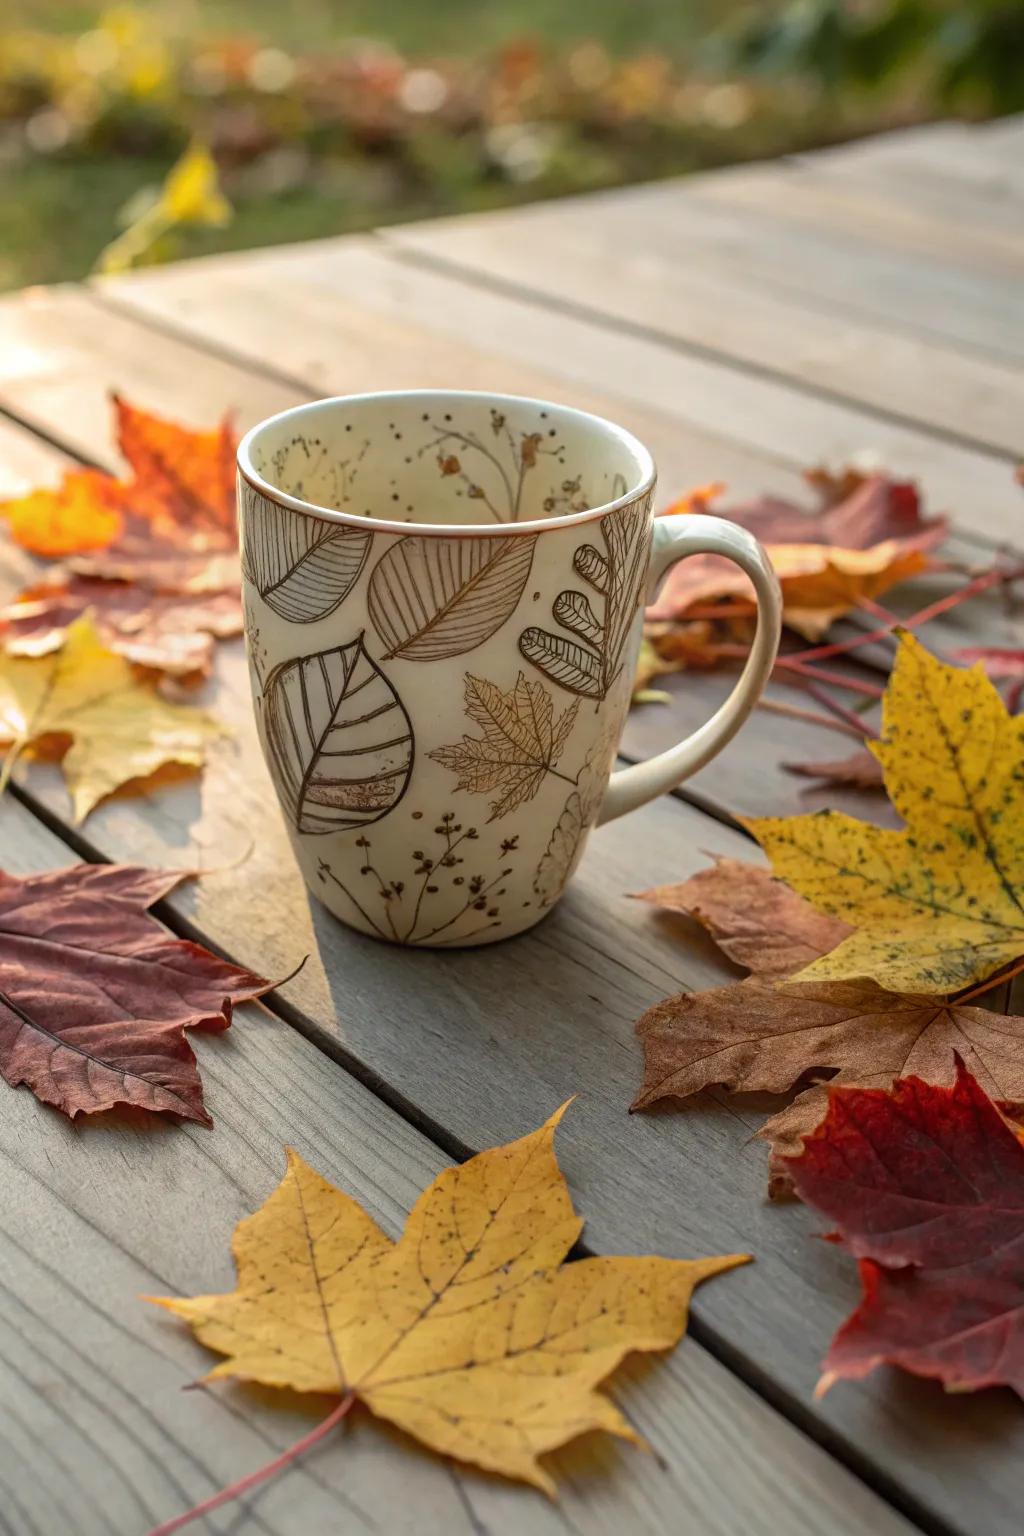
[{"x": 674, "y": 539}]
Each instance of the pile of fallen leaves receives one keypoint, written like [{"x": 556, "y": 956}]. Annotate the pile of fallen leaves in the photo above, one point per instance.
[
  {"x": 867, "y": 948},
  {"x": 138, "y": 576}
]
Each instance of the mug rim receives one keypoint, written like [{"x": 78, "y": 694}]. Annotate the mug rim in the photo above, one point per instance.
[{"x": 643, "y": 455}]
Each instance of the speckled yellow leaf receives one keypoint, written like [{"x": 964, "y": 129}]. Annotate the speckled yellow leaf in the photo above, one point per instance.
[
  {"x": 120, "y": 727},
  {"x": 468, "y": 1332},
  {"x": 940, "y": 903}
]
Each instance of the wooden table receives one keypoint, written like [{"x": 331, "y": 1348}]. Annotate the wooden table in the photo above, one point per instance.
[{"x": 861, "y": 301}]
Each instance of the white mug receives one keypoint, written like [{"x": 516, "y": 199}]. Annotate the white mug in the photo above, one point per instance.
[{"x": 444, "y": 597}]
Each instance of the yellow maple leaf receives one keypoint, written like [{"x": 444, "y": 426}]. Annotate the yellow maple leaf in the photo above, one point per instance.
[
  {"x": 120, "y": 727},
  {"x": 466, "y": 1333},
  {"x": 940, "y": 903}
]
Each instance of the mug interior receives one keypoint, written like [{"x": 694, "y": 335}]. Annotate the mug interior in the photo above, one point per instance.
[{"x": 444, "y": 458}]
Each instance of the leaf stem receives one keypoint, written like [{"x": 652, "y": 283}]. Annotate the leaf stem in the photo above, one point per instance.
[
  {"x": 991, "y": 578},
  {"x": 840, "y": 710},
  {"x": 253, "y": 1479},
  {"x": 987, "y": 986},
  {"x": 808, "y": 716}
]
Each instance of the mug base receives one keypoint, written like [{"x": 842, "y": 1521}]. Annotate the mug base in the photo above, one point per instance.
[{"x": 492, "y": 933}]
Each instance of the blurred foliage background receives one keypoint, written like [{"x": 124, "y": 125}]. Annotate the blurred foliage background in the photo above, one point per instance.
[{"x": 283, "y": 121}]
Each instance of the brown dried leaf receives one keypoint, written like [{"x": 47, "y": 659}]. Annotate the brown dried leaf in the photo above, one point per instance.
[
  {"x": 861, "y": 770},
  {"x": 755, "y": 919}
]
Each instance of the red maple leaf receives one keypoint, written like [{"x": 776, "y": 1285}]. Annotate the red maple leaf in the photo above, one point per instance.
[
  {"x": 926, "y": 1187},
  {"x": 95, "y": 995}
]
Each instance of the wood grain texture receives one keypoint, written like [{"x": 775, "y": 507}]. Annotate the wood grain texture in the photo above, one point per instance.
[
  {"x": 727, "y": 311},
  {"x": 845, "y": 274},
  {"x": 305, "y": 303},
  {"x": 477, "y": 1041},
  {"x": 916, "y": 226},
  {"x": 102, "y": 1441}
]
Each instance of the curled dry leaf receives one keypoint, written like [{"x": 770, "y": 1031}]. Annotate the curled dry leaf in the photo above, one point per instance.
[
  {"x": 926, "y": 1187},
  {"x": 95, "y": 995},
  {"x": 118, "y": 726},
  {"x": 167, "y": 631},
  {"x": 753, "y": 918},
  {"x": 861, "y": 770},
  {"x": 866, "y": 535},
  {"x": 435, "y": 1331},
  {"x": 155, "y": 554},
  {"x": 759, "y": 1036},
  {"x": 940, "y": 903}
]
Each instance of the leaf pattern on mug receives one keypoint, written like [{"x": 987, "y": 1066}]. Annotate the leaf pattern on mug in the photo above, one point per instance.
[
  {"x": 339, "y": 740},
  {"x": 565, "y": 845},
  {"x": 302, "y": 567},
  {"x": 521, "y": 742},
  {"x": 591, "y": 663},
  {"x": 431, "y": 598}
]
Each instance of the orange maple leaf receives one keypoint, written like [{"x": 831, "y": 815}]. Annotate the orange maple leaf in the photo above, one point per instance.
[{"x": 155, "y": 554}]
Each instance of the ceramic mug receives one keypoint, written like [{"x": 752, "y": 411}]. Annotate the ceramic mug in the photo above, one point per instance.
[{"x": 444, "y": 595}]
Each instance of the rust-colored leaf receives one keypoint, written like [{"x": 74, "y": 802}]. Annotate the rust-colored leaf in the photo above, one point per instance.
[
  {"x": 171, "y": 632},
  {"x": 861, "y": 770},
  {"x": 866, "y": 535},
  {"x": 95, "y": 995},
  {"x": 753, "y": 918},
  {"x": 760, "y": 1036}
]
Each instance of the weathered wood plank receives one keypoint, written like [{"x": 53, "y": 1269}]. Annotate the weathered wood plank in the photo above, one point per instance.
[
  {"x": 73, "y": 327},
  {"x": 642, "y": 373},
  {"x": 477, "y": 1040},
  {"x": 726, "y": 315},
  {"x": 916, "y": 227},
  {"x": 946, "y": 158},
  {"x": 851, "y": 278},
  {"x": 101, "y": 1439}
]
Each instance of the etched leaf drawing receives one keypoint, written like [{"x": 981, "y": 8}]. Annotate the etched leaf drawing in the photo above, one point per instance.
[
  {"x": 339, "y": 739},
  {"x": 521, "y": 742},
  {"x": 591, "y": 661},
  {"x": 565, "y": 845},
  {"x": 430, "y": 598},
  {"x": 302, "y": 567}
]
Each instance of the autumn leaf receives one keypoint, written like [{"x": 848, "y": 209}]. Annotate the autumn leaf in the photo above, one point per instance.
[
  {"x": 155, "y": 555},
  {"x": 940, "y": 903},
  {"x": 861, "y": 770},
  {"x": 82, "y": 513},
  {"x": 668, "y": 648},
  {"x": 95, "y": 994},
  {"x": 755, "y": 1037},
  {"x": 753, "y": 918},
  {"x": 819, "y": 584},
  {"x": 521, "y": 742},
  {"x": 866, "y": 535},
  {"x": 926, "y": 1187},
  {"x": 1003, "y": 664},
  {"x": 118, "y": 726},
  {"x": 759, "y": 1036},
  {"x": 183, "y": 481},
  {"x": 171, "y": 632},
  {"x": 469, "y": 1332}
]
